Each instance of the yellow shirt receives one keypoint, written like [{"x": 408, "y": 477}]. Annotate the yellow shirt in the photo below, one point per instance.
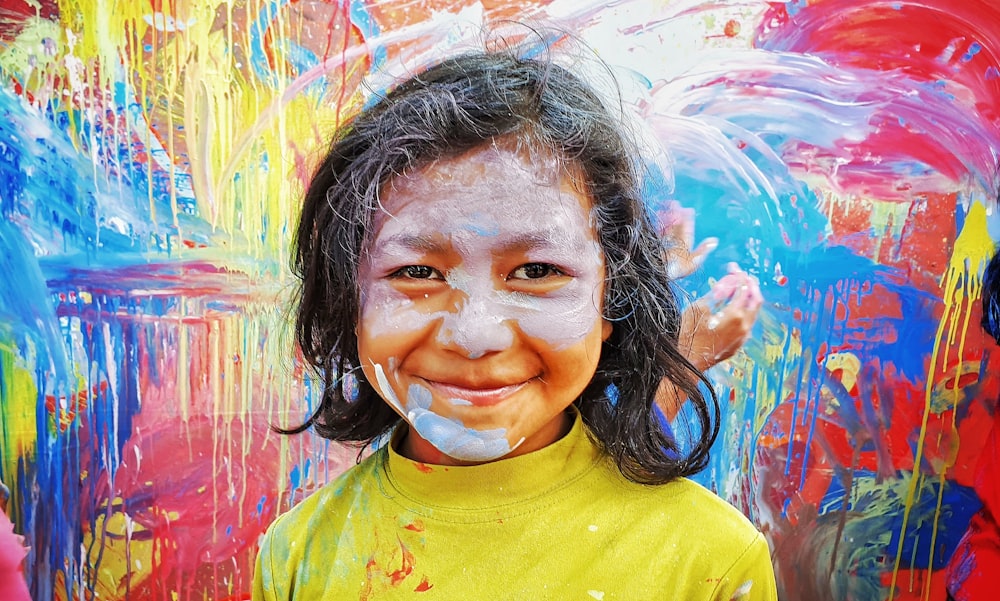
[{"x": 560, "y": 523}]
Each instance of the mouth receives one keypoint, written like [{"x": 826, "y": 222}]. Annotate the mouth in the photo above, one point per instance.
[{"x": 479, "y": 396}]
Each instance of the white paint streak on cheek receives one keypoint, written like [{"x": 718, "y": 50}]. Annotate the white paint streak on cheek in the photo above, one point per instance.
[
  {"x": 388, "y": 312},
  {"x": 569, "y": 315},
  {"x": 387, "y": 392},
  {"x": 562, "y": 322}
]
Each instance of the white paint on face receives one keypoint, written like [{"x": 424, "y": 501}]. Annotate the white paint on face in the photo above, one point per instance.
[
  {"x": 479, "y": 326},
  {"x": 481, "y": 294},
  {"x": 386, "y": 390},
  {"x": 476, "y": 217}
]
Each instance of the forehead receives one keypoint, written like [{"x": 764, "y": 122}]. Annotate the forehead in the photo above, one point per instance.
[{"x": 495, "y": 190}]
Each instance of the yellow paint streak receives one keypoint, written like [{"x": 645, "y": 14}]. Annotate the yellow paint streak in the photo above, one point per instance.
[
  {"x": 961, "y": 286},
  {"x": 201, "y": 109},
  {"x": 241, "y": 135},
  {"x": 18, "y": 426},
  {"x": 848, "y": 363},
  {"x": 26, "y": 60},
  {"x": 784, "y": 351},
  {"x": 887, "y": 221}
]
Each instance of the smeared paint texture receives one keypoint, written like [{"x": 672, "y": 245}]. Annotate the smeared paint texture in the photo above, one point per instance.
[
  {"x": 151, "y": 157},
  {"x": 450, "y": 436}
]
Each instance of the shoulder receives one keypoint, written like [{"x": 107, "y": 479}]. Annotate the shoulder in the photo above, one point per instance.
[
  {"x": 716, "y": 527},
  {"x": 723, "y": 542},
  {"x": 691, "y": 506},
  {"x": 711, "y": 549},
  {"x": 700, "y": 502}
]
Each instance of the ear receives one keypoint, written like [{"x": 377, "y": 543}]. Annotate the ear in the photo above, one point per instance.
[{"x": 606, "y": 328}]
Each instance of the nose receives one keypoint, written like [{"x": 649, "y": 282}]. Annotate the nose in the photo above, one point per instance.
[{"x": 477, "y": 326}]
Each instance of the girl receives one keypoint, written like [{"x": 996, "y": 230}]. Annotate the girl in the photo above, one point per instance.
[{"x": 481, "y": 283}]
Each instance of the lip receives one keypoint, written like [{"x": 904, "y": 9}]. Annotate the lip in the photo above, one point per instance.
[{"x": 480, "y": 397}]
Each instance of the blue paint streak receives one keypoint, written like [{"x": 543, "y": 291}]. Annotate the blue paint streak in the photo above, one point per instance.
[
  {"x": 974, "y": 49},
  {"x": 451, "y": 436},
  {"x": 958, "y": 505}
]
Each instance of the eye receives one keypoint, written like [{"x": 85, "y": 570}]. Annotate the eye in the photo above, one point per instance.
[
  {"x": 417, "y": 272},
  {"x": 534, "y": 271}
]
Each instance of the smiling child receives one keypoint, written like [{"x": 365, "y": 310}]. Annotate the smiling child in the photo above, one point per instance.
[{"x": 475, "y": 255}]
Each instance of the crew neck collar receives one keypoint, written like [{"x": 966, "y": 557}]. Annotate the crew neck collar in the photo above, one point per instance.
[{"x": 503, "y": 483}]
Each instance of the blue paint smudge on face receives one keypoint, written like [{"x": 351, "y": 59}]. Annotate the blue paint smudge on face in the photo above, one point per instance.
[
  {"x": 483, "y": 225},
  {"x": 450, "y": 436}
]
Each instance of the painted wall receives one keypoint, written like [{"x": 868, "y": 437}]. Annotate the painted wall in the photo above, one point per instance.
[{"x": 151, "y": 153}]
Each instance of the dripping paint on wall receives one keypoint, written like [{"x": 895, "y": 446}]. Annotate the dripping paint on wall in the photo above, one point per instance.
[{"x": 843, "y": 151}]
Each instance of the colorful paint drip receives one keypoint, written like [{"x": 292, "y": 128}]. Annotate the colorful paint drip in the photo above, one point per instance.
[{"x": 151, "y": 156}]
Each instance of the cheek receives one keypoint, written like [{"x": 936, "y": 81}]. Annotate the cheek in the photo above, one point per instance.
[
  {"x": 565, "y": 319},
  {"x": 388, "y": 313}
]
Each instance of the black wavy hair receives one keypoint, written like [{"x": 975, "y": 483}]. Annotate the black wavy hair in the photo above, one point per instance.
[
  {"x": 459, "y": 104},
  {"x": 991, "y": 297}
]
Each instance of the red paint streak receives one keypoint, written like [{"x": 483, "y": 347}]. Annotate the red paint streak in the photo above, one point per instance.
[
  {"x": 774, "y": 18},
  {"x": 176, "y": 483},
  {"x": 398, "y": 576},
  {"x": 19, "y": 90},
  {"x": 417, "y": 526},
  {"x": 910, "y": 584},
  {"x": 423, "y": 467},
  {"x": 379, "y": 577},
  {"x": 928, "y": 40},
  {"x": 921, "y": 251},
  {"x": 16, "y": 12},
  {"x": 960, "y": 382},
  {"x": 950, "y": 49},
  {"x": 371, "y": 570},
  {"x": 423, "y": 586},
  {"x": 66, "y": 408}
]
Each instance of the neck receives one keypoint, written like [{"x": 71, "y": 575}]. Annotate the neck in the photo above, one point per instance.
[{"x": 416, "y": 448}]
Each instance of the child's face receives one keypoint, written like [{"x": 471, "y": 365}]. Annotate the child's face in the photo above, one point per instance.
[{"x": 481, "y": 299}]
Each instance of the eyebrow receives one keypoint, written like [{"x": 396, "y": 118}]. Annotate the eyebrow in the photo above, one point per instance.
[
  {"x": 431, "y": 244},
  {"x": 425, "y": 244},
  {"x": 529, "y": 241}
]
